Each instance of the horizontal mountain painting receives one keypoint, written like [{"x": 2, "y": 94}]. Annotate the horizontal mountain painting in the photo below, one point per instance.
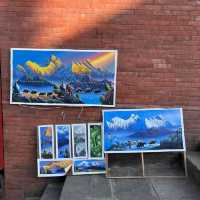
[
  {"x": 95, "y": 140},
  {"x": 46, "y": 141},
  {"x": 53, "y": 167},
  {"x": 63, "y": 77},
  {"x": 63, "y": 141},
  {"x": 90, "y": 166},
  {"x": 143, "y": 130},
  {"x": 79, "y": 140}
]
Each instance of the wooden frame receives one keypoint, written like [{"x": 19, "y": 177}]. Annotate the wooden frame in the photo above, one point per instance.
[{"x": 143, "y": 169}]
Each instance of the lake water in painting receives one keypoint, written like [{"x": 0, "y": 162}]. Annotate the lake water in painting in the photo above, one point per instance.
[{"x": 143, "y": 130}]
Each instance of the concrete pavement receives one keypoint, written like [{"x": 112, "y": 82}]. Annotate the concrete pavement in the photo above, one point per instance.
[{"x": 96, "y": 187}]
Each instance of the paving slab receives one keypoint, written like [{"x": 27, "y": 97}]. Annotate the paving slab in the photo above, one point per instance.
[
  {"x": 94, "y": 187},
  {"x": 52, "y": 191},
  {"x": 193, "y": 160},
  {"x": 97, "y": 187},
  {"x": 176, "y": 189}
]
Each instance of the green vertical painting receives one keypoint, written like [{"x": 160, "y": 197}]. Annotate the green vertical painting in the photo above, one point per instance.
[{"x": 95, "y": 140}]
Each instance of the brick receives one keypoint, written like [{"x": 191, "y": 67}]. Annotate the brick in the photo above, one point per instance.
[{"x": 158, "y": 66}]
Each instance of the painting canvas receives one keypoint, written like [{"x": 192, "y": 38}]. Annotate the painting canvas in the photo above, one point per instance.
[
  {"x": 89, "y": 166},
  {"x": 63, "y": 77},
  {"x": 63, "y": 141},
  {"x": 95, "y": 140},
  {"x": 143, "y": 130},
  {"x": 46, "y": 141},
  {"x": 53, "y": 167},
  {"x": 79, "y": 140}
]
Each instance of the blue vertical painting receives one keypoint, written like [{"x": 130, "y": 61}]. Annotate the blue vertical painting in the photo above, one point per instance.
[
  {"x": 143, "y": 130},
  {"x": 46, "y": 141},
  {"x": 63, "y": 77},
  {"x": 63, "y": 141}
]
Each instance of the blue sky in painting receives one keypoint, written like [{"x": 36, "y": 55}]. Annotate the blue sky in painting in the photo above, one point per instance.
[
  {"x": 42, "y": 57},
  {"x": 171, "y": 115}
]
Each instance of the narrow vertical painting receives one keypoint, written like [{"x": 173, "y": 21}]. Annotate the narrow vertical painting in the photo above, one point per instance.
[
  {"x": 63, "y": 141},
  {"x": 143, "y": 130},
  {"x": 53, "y": 167},
  {"x": 79, "y": 140},
  {"x": 63, "y": 77},
  {"x": 89, "y": 166},
  {"x": 46, "y": 141},
  {"x": 95, "y": 140}
]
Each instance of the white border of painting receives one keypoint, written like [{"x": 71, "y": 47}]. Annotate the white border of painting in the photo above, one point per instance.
[
  {"x": 56, "y": 139},
  {"x": 39, "y": 140},
  {"x": 85, "y": 173},
  {"x": 62, "y": 104},
  {"x": 86, "y": 148},
  {"x": 149, "y": 151},
  {"x": 89, "y": 152},
  {"x": 52, "y": 175}
]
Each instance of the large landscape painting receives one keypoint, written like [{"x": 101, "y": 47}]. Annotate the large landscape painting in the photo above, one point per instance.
[
  {"x": 63, "y": 77},
  {"x": 143, "y": 130}
]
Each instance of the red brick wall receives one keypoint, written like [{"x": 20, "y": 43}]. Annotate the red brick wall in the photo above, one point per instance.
[{"x": 158, "y": 65}]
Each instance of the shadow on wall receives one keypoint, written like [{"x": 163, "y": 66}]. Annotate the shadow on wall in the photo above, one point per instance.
[{"x": 156, "y": 51}]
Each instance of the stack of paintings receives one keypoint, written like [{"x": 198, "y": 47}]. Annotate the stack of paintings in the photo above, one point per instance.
[
  {"x": 55, "y": 157},
  {"x": 92, "y": 160},
  {"x": 50, "y": 164}
]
